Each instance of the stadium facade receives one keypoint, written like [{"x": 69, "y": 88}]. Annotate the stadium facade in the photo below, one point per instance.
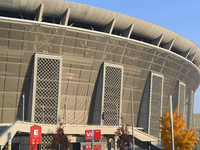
[
  {"x": 79, "y": 64},
  {"x": 197, "y": 129}
]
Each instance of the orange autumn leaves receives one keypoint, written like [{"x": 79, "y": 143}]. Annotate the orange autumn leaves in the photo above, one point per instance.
[{"x": 184, "y": 139}]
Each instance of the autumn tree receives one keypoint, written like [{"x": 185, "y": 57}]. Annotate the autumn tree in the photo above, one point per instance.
[
  {"x": 124, "y": 137},
  {"x": 60, "y": 139},
  {"x": 184, "y": 139}
]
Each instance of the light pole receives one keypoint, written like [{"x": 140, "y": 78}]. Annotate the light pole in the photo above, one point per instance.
[
  {"x": 171, "y": 122},
  {"x": 133, "y": 142},
  {"x": 65, "y": 111},
  {"x": 117, "y": 114},
  {"x": 23, "y": 107}
]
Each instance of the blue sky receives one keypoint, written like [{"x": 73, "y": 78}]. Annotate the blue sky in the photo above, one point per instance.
[{"x": 181, "y": 16}]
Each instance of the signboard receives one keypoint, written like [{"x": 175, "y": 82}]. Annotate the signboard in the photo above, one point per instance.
[
  {"x": 95, "y": 147},
  {"x": 88, "y": 135},
  {"x": 35, "y": 137},
  {"x": 97, "y": 134},
  {"x": 92, "y": 135}
]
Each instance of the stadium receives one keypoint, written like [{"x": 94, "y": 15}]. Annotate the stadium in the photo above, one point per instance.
[{"x": 89, "y": 68}]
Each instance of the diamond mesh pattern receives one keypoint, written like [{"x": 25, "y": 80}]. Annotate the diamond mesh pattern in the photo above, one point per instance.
[
  {"x": 46, "y": 142},
  {"x": 111, "y": 106},
  {"x": 112, "y": 144},
  {"x": 156, "y": 105},
  {"x": 182, "y": 99},
  {"x": 137, "y": 58},
  {"x": 47, "y": 88},
  {"x": 106, "y": 139}
]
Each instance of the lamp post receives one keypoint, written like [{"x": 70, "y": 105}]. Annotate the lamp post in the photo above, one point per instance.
[
  {"x": 117, "y": 116},
  {"x": 23, "y": 107},
  {"x": 133, "y": 142},
  {"x": 171, "y": 122},
  {"x": 65, "y": 111}
]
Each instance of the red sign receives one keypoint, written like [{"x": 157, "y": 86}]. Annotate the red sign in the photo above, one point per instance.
[
  {"x": 88, "y": 135},
  {"x": 95, "y": 147},
  {"x": 35, "y": 137},
  {"x": 33, "y": 147},
  {"x": 96, "y": 136}
]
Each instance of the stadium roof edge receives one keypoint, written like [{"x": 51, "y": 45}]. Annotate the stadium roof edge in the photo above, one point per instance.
[{"x": 102, "y": 17}]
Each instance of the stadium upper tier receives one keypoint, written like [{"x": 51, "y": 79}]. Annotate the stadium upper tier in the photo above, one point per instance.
[{"x": 98, "y": 19}]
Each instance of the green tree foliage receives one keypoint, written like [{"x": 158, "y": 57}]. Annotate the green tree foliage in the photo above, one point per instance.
[{"x": 184, "y": 139}]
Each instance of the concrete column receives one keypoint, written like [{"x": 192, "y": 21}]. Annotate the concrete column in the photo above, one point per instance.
[
  {"x": 39, "y": 14},
  {"x": 158, "y": 40},
  {"x": 115, "y": 140},
  {"x": 110, "y": 26},
  {"x": 190, "y": 110},
  {"x": 128, "y": 31},
  {"x": 69, "y": 137},
  {"x": 191, "y": 57},
  {"x": 65, "y": 18},
  {"x": 169, "y": 45},
  {"x": 186, "y": 53},
  {"x": 9, "y": 144},
  {"x": 109, "y": 143}
]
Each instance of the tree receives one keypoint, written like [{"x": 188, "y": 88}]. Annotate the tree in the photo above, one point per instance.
[
  {"x": 124, "y": 137},
  {"x": 184, "y": 139},
  {"x": 60, "y": 138}
]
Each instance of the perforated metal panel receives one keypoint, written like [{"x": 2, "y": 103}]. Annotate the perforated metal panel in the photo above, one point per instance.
[
  {"x": 179, "y": 98},
  {"x": 46, "y": 91},
  {"x": 143, "y": 117},
  {"x": 175, "y": 97},
  {"x": 46, "y": 142},
  {"x": 106, "y": 139},
  {"x": 182, "y": 98},
  {"x": 156, "y": 98},
  {"x": 112, "y": 94}
]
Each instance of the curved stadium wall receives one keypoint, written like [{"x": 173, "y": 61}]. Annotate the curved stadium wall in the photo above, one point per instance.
[{"x": 92, "y": 67}]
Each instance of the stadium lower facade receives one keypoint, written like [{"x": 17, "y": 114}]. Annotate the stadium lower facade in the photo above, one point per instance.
[{"x": 83, "y": 66}]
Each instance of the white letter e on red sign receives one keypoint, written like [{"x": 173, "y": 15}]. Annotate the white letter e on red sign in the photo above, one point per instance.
[{"x": 35, "y": 132}]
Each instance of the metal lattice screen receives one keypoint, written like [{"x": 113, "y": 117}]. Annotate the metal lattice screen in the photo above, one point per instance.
[
  {"x": 176, "y": 96},
  {"x": 181, "y": 99},
  {"x": 112, "y": 95},
  {"x": 47, "y": 90},
  {"x": 106, "y": 139},
  {"x": 46, "y": 142},
  {"x": 155, "y": 106}
]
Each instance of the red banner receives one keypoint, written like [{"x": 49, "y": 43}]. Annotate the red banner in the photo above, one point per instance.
[
  {"x": 88, "y": 135},
  {"x": 35, "y": 137},
  {"x": 95, "y": 147}
]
